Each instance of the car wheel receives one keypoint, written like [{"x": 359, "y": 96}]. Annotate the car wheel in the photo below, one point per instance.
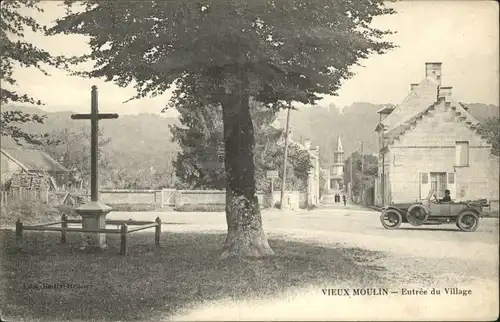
[
  {"x": 391, "y": 219},
  {"x": 467, "y": 221},
  {"x": 417, "y": 215}
]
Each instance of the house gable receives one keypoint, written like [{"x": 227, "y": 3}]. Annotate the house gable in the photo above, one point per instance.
[
  {"x": 441, "y": 124},
  {"x": 421, "y": 97}
]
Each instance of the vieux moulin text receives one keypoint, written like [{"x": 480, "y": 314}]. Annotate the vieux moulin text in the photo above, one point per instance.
[{"x": 355, "y": 291}]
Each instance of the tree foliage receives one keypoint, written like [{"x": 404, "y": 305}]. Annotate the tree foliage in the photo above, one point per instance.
[
  {"x": 490, "y": 128},
  {"x": 16, "y": 52},
  {"x": 72, "y": 150},
  {"x": 153, "y": 44},
  {"x": 200, "y": 164},
  {"x": 360, "y": 178}
]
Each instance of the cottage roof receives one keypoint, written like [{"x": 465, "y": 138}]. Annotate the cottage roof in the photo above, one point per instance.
[
  {"x": 418, "y": 100},
  {"x": 33, "y": 160},
  {"x": 459, "y": 109}
]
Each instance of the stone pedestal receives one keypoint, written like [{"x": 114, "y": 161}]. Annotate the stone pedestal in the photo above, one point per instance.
[{"x": 94, "y": 217}]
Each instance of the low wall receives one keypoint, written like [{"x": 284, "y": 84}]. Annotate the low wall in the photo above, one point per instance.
[
  {"x": 291, "y": 199},
  {"x": 207, "y": 197},
  {"x": 125, "y": 196},
  {"x": 180, "y": 198}
]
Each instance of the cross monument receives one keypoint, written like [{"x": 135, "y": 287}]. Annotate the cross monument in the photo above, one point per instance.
[{"x": 94, "y": 213}]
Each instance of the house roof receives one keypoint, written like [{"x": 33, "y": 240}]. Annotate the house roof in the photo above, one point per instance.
[
  {"x": 33, "y": 160},
  {"x": 460, "y": 113},
  {"x": 419, "y": 99}
]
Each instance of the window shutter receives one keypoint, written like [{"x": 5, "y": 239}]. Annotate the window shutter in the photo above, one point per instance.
[
  {"x": 451, "y": 178},
  {"x": 424, "y": 185}
]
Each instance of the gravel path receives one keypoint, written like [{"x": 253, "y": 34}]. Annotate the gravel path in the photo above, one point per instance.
[{"x": 419, "y": 259}]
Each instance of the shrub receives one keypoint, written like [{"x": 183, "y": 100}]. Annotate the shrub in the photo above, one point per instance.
[
  {"x": 132, "y": 207},
  {"x": 29, "y": 212},
  {"x": 201, "y": 208}
]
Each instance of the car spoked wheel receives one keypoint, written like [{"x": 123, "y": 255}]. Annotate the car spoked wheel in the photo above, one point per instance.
[
  {"x": 391, "y": 219},
  {"x": 467, "y": 221},
  {"x": 417, "y": 214}
]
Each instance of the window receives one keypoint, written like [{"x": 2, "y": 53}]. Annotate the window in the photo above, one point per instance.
[
  {"x": 438, "y": 183},
  {"x": 425, "y": 178},
  {"x": 337, "y": 158},
  {"x": 451, "y": 178},
  {"x": 462, "y": 154},
  {"x": 398, "y": 160}
]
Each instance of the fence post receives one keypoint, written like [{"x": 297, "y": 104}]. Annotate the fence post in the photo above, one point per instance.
[
  {"x": 47, "y": 196},
  {"x": 157, "y": 231},
  {"x": 64, "y": 225},
  {"x": 19, "y": 228},
  {"x": 124, "y": 233},
  {"x": 162, "y": 197}
]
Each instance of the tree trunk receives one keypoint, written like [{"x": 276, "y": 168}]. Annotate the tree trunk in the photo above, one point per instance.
[{"x": 245, "y": 236}]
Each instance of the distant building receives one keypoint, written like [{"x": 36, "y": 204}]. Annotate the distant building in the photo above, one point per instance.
[
  {"x": 430, "y": 141},
  {"x": 337, "y": 172},
  {"x": 313, "y": 184},
  {"x": 30, "y": 161}
]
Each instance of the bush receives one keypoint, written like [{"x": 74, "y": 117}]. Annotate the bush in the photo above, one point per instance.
[
  {"x": 201, "y": 208},
  {"x": 132, "y": 207},
  {"x": 29, "y": 212}
]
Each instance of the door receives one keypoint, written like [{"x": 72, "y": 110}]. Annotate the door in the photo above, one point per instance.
[
  {"x": 424, "y": 185},
  {"x": 439, "y": 183}
]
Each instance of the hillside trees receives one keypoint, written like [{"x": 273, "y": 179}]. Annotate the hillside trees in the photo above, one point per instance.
[{"x": 273, "y": 51}]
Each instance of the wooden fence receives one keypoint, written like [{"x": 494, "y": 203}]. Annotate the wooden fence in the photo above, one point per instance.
[
  {"x": 123, "y": 231},
  {"x": 16, "y": 195}
]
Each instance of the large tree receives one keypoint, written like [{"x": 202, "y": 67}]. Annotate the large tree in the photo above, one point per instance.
[
  {"x": 16, "y": 52},
  {"x": 222, "y": 53}
]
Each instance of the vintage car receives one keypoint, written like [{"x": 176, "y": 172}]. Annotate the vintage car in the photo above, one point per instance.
[{"x": 431, "y": 211}]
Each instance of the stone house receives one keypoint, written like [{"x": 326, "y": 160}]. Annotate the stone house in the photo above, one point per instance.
[
  {"x": 30, "y": 161},
  {"x": 430, "y": 141},
  {"x": 337, "y": 173},
  {"x": 313, "y": 184}
]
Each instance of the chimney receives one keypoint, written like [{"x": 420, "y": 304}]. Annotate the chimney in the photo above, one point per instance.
[
  {"x": 445, "y": 91},
  {"x": 433, "y": 71},
  {"x": 307, "y": 144},
  {"x": 413, "y": 86}
]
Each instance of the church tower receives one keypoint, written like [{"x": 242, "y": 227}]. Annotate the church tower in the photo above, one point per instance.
[{"x": 337, "y": 173}]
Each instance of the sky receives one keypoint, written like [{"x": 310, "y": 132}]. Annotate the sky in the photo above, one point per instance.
[{"x": 463, "y": 35}]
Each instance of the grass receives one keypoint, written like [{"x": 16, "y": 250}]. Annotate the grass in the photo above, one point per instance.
[
  {"x": 30, "y": 212},
  {"x": 158, "y": 282},
  {"x": 133, "y": 207},
  {"x": 201, "y": 208}
]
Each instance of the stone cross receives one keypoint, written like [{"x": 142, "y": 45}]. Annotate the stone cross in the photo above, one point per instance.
[{"x": 94, "y": 213}]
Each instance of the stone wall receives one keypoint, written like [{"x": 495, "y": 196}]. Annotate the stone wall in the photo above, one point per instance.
[
  {"x": 123, "y": 196},
  {"x": 178, "y": 198}
]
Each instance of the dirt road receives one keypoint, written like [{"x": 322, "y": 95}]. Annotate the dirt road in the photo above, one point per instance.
[{"x": 415, "y": 258}]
